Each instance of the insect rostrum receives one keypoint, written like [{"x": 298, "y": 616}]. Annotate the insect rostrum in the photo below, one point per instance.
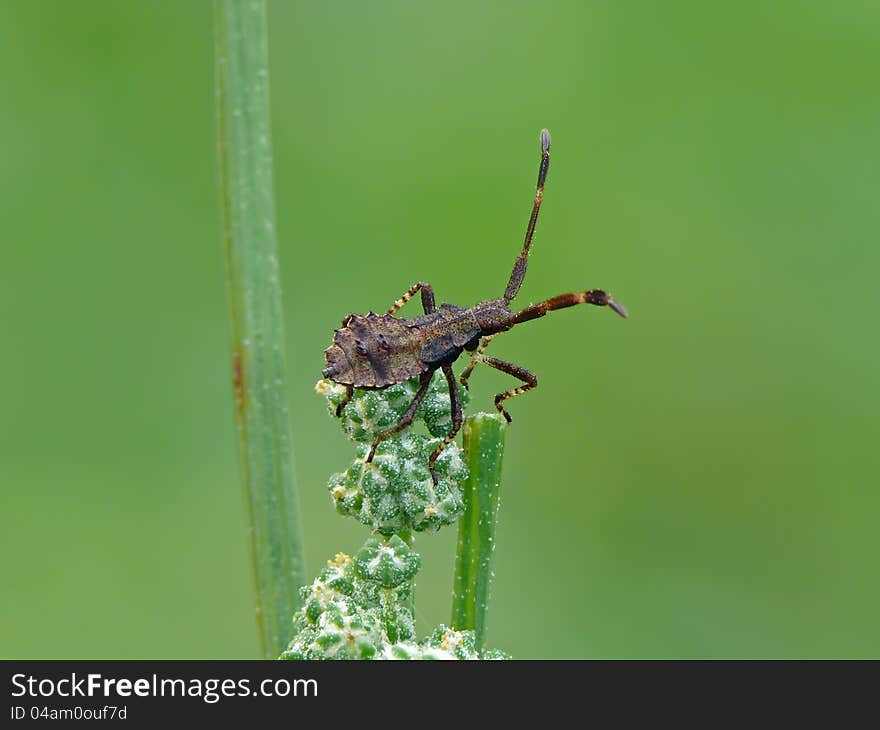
[{"x": 375, "y": 351}]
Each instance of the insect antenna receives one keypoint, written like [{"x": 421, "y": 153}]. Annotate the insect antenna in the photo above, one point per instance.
[
  {"x": 596, "y": 297},
  {"x": 519, "y": 266}
]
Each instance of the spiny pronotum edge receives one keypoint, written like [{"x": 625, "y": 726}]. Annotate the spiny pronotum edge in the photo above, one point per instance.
[{"x": 375, "y": 351}]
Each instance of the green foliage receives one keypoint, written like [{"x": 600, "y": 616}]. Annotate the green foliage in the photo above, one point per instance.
[
  {"x": 395, "y": 491},
  {"x": 447, "y": 643},
  {"x": 258, "y": 368},
  {"x": 357, "y": 609},
  {"x": 370, "y": 412},
  {"x": 361, "y": 607},
  {"x": 388, "y": 563},
  {"x": 484, "y": 446},
  {"x": 347, "y": 616}
]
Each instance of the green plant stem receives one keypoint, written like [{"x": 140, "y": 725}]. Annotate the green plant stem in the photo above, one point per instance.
[
  {"x": 484, "y": 448},
  {"x": 258, "y": 366}
]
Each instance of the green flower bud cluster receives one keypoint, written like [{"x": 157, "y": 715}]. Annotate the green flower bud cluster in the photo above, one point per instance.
[
  {"x": 361, "y": 607},
  {"x": 370, "y": 412},
  {"x": 357, "y": 609},
  {"x": 346, "y": 614},
  {"x": 395, "y": 491},
  {"x": 443, "y": 643}
]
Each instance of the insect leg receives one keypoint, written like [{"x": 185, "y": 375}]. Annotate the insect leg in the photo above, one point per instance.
[
  {"x": 529, "y": 378},
  {"x": 519, "y": 266},
  {"x": 455, "y": 400},
  {"x": 427, "y": 298},
  {"x": 475, "y": 358},
  {"x": 349, "y": 391},
  {"x": 407, "y": 417}
]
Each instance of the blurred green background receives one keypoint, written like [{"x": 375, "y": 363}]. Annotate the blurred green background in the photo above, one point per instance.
[{"x": 698, "y": 481}]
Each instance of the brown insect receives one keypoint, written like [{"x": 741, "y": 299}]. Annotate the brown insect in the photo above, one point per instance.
[{"x": 377, "y": 351}]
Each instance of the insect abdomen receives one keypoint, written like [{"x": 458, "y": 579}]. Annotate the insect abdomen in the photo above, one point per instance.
[{"x": 374, "y": 351}]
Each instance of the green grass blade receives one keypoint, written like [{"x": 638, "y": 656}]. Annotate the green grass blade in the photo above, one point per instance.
[
  {"x": 484, "y": 448},
  {"x": 248, "y": 211}
]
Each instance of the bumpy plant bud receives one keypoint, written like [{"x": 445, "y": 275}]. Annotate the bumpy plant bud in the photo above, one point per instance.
[
  {"x": 345, "y": 616},
  {"x": 387, "y": 563},
  {"x": 443, "y": 644},
  {"x": 357, "y": 609},
  {"x": 436, "y": 409},
  {"x": 370, "y": 412},
  {"x": 395, "y": 492}
]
